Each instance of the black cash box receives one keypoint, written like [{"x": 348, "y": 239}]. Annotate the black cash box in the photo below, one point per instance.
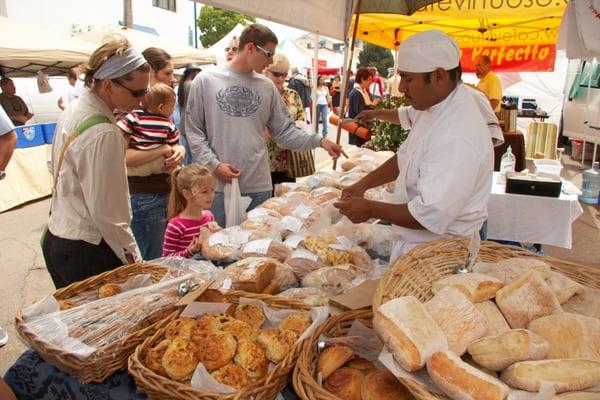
[{"x": 539, "y": 184}]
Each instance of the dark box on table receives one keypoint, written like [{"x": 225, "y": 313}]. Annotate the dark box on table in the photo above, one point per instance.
[{"x": 533, "y": 184}]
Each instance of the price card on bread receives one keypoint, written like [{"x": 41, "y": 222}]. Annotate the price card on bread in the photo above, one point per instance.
[
  {"x": 343, "y": 243},
  {"x": 301, "y": 253},
  {"x": 260, "y": 246},
  {"x": 218, "y": 239},
  {"x": 292, "y": 224},
  {"x": 302, "y": 211},
  {"x": 293, "y": 240}
]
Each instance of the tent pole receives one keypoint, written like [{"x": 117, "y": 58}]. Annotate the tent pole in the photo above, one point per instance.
[
  {"x": 314, "y": 77},
  {"x": 346, "y": 79}
]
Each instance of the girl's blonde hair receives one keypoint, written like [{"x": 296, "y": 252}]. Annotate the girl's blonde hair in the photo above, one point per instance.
[
  {"x": 116, "y": 44},
  {"x": 186, "y": 178}
]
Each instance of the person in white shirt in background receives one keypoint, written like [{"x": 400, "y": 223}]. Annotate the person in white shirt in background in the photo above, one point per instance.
[
  {"x": 89, "y": 227},
  {"x": 74, "y": 91},
  {"x": 443, "y": 171},
  {"x": 8, "y": 141},
  {"x": 323, "y": 104},
  {"x": 392, "y": 85}
]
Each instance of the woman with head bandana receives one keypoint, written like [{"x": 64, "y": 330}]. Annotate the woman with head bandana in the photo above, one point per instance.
[{"x": 89, "y": 226}]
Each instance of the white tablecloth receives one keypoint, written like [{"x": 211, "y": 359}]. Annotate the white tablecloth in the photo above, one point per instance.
[{"x": 532, "y": 219}]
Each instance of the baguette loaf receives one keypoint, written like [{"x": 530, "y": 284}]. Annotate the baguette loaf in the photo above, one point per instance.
[
  {"x": 458, "y": 318},
  {"x": 477, "y": 287},
  {"x": 566, "y": 375},
  {"x": 460, "y": 381},
  {"x": 495, "y": 320},
  {"x": 408, "y": 331},
  {"x": 570, "y": 335},
  {"x": 498, "y": 352},
  {"x": 512, "y": 268},
  {"x": 526, "y": 299},
  {"x": 578, "y": 396},
  {"x": 564, "y": 288}
]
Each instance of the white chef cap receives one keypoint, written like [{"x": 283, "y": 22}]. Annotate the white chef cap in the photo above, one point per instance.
[{"x": 427, "y": 51}]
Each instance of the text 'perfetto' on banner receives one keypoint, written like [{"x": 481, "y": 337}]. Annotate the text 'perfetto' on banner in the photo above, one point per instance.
[{"x": 513, "y": 58}]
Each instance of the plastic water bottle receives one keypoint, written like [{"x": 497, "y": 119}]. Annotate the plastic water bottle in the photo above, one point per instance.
[
  {"x": 591, "y": 185},
  {"x": 508, "y": 161}
]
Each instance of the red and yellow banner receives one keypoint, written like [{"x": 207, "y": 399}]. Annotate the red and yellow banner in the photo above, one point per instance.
[{"x": 515, "y": 58}]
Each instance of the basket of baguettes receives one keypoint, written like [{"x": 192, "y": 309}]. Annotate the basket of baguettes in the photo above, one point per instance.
[
  {"x": 239, "y": 352},
  {"x": 518, "y": 323},
  {"x": 339, "y": 361},
  {"x": 89, "y": 328}
]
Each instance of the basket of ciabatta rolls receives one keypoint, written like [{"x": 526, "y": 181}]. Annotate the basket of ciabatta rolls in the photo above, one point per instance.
[
  {"x": 89, "y": 328},
  {"x": 519, "y": 326},
  {"x": 228, "y": 343}
]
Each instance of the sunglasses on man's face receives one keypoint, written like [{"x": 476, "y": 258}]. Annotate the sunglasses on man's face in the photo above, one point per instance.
[
  {"x": 266, "y": 52},
  {"x": 231, "y": 49},
  {"x": 135, "y": 93},
  {"x": 278, "y": 74}
]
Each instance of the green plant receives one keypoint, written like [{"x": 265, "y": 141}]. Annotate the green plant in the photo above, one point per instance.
[
  {"x": 384, "y": 135},
  {"x": 214, "y": 23}
]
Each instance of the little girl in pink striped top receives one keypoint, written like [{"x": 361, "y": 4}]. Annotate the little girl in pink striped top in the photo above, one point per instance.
[{"x": 192, "y": 193}]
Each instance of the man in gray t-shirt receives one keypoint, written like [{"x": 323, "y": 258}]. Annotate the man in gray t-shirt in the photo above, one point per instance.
[{"x": 228, "y": 109}]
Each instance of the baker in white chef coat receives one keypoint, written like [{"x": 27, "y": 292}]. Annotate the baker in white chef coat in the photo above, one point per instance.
[{"x": 443, "y": 171}]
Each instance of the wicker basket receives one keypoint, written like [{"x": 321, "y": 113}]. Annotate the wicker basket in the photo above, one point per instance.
[
  {"x": 304, "y": 380},
  {"x": 159, "y": 387},
  {"x": 414, "y": 273},
  {"x": 109, "y": 359}
]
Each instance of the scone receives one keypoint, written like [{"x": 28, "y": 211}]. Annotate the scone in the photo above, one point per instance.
[
  {"x": 204, "y": 326},
  {"x": 216, "y": 350},
  {"x": 155, "y": 355},
  {"x": 276, "y": 344},
  {"x": 251, "y": 357},
  {"x": 180, "y": 359},
  {"x": 332, "y": 358},
  {"x": 251, "y": 313},
  {"x": 180, "y": 327},
  {"x": 240, "y": 329},
  {"x": 295, "y": 322},
  {"x": 109, "y": 289},
  {"x": 231, "y": 375}
]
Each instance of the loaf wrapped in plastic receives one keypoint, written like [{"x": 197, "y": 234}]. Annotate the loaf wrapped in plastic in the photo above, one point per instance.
[
  {"x": 352, "y": 163},
  {"x": 277, "y": 204},
  {"x": 224, "y": 245},
  {"x": 332, "y": 280},
  {"x": 325, "y": 194},
  {"x": 285, "y": 187},
  {"x": 303, "y": 262},
  {"x": 308, "y": 295},
  {"x": 351, "y": 178},
  {"x": 92, "y": 327},
  {"x": 266, "y": 248},
  {"x": 323, "y": 178},
  {"x": 251, "y": 274},
  {"x": 283, "y": 279},
  {"x": 336, "y": 250}
]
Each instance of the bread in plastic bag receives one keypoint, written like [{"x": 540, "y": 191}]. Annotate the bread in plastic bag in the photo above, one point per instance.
[
  {"x": 332, "y": 280},
  {"x": 285, "y": 187},
  {"x": 223, "y": 245},
  {"x": 336, "y": 250},
  {"x": 251, "y": 274},
  {"x": 283, "y": 279},
  {"x": 302, "y": 262},
  {"x": 323, "y": 178},
  {"x": 325, "y": 194},
  {"x": 309, "y": 295},
  {"x": 266, "y": 248}
]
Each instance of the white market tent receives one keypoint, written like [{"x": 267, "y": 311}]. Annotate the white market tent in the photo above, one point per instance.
[
  {"x": 218, "y": 49},
  {"x": 180, "y": 54},
  {"x": 26, "y": 49}
]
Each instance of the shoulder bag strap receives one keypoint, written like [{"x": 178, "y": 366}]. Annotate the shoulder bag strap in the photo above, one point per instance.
[{"x": 86, "y": 124}]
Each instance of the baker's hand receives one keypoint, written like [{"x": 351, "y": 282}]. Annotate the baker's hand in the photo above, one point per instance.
[
  {"x": 366, "y": 115},
  {"x": 357, "y": 209},
  {"x": 176, "y": 156},
  {"x": 226, "y": 172},
  {"x": 333, "y": 149},
  {"x": 355, "y": 190}
]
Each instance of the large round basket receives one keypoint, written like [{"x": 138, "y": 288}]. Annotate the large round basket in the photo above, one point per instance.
[
  {"x": 109, "y": 359},
  {"x": 414, "y": 273},
  {"x": 304, "y": 380},
  {"x": 159, "y": 387}
]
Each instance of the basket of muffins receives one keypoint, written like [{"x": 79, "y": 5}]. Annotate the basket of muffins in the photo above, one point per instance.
[
  {"x": 339, "y": 362},
  {"x": 520, "y": 325},
  {"x": 89, "y": 328},
  {"x": 231, "y": 345}
]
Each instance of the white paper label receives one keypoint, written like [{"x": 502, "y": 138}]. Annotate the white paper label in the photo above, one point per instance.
[
  {"x": 227, "y": 284},
  {"x": 260, "y": 246},
  {"x": 293, "y": 240},
  {"x": 291, "y": 223},
  {"x": 302, "y": 211},
  {"x": 258, "y": 213},
  {"x": 218, "y": 238},
  {"x": 301, "y": 253},
  {"x": 343, "y": 244}
]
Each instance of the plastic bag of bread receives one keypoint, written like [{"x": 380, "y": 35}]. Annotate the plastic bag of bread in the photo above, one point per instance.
[
  {"x": 336, "y": 250},
  {"x": 332, "y": 280},
  {"x": 351, "y": 178},
  {"x": 285, "y": 187},
  {"x": 251, "y": 274},
  {"x": 223, "y": 245},
  {"x": 303, "y": 262},
  {"x": 352, "y": 163},
  {"x": 266, "y": 248},
  {"x": 308, "y": 295},
  {"x": 283, "y": 279},
  {"x": 278, "y": 204},
  {"x": 325, "y": 194},
  {"x": 323, "y": 178}
]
